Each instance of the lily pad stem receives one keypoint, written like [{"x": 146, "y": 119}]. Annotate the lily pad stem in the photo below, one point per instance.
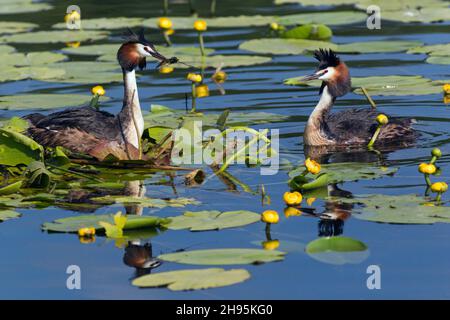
[
  {"x": 94, "y": 101},
  {"x": 193, "y": 98},
  {"x": 166, "y": 7},
  {"x": 427, "y": 179},
  {"x": 213, "y": 8},
  {"x": 202, "y": 44},
  {"x": 167, "y": 38},
  {"x": 374, "y": 137},
  {"x": 369, "y": 98},
  {"x": 433, "y": 159},
  {"x": 268, "y": 235}
]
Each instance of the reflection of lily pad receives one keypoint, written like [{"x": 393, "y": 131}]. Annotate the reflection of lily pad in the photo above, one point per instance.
[
  {"x": 73, "y": 224},
  {"x": 384, "y": 85},
  {"x": 337, "y": 250},
  {"x": 43, "y": 101},
  {"x": 8, "y": 27},
  {"x": 8, "y": 214},
  {"x": 105, "y": 23},
  {"x": 212, "y": 220},
  {"x": 54, "y": 36},
  {"x": 284, "y": 46},
  {"x": 224, "y": 256},
  {"x": 192, "y": 279},
  {"x": 403, "y": 209}
]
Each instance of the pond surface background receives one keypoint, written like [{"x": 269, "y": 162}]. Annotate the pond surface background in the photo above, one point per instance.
[{"x": 414, "y": 259}]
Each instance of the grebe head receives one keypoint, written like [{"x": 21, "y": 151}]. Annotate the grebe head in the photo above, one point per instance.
[
  {"x": 134, "y": 51},
  {"x": 332, "y": 71}
]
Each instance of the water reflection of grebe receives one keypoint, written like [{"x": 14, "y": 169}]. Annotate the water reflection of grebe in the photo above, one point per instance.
[{"x": 140, "y": 257}]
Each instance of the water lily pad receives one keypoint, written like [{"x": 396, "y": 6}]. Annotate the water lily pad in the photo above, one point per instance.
[
  {"x": 16, "y": 148},
  {"x": 12, "y": 73},
  {"x": 6, "y": 49},
  {"x": 180, "y": 23},
  {"x": 377, "y": 46},
  {"x": 284, "y": 46},
  {"x": 87, "y": 72},
  {"x": 30, "y": 59},
  {"x": 55, "y": 36},
  {"x": 424, "y": 14},
  {"x": 213, "y": 220},
  {"x": 328, "y": 18},
  {"x": 309, "y": 31},
  {"x": 43, "y": 101},
  {"x": 8, "y": 214},
  {"x": 317, "y": 3},
  {"x": 438, "y": 60},
  {"x": 105, "y": 23},
  {"x": 224, "y": 256},
  {"x": 11, "y": 188},
  {"x": 401, "y": 209},
  {"x": 73, "y": 224},
  {"x": 224, "y": 60},
  {"x": 337, "y": 250},
  {"x": 22, "y": 6},
  {"x": 192, "y": 279},
  {"x": 384, "y": 85},
  {"x": 147, "y": 202},
  {"x": 434, "y": 50},
  {"x": 8, "y": 27}
]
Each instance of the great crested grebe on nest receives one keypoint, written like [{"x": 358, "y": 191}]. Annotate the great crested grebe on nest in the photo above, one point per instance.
[
  {"x": 98, "y": 133},
  {"x": 348, "y": 128}
]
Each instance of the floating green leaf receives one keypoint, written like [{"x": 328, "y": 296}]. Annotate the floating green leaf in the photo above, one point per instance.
[
  {"x": 224, "y": 256},
  {"x": 438, "y": 60},
  {"x": 308, "y": 31},
  {"x": 147, "y": 202},
  {"x": 402, "y": 209},
  {"x": 192, "y": 279},
  {"x": 378, "y": 46},
  {"x": 22, "y": 6},
  {"x": 434, "y": 50},
  {"x": 337, "y": 250},
  {"x": 328, "y": 18},
  {"x": 8, "y": 27},
  {"x": 16, "y": 148},
  {"x": 43, "y": 101},
  {"x": 180, "y": 23},
  {"x": 212, "y": 220},
  {"x": 11, "y": 188},
  {"x": 54, "y": 36},
  {"x": 30, "y": 59},
  {"x": 105, "y": 23},
  {"x": 8, "y": 214},
  {"x": 221, "y": 60},
  {"x": 285, "y": 46},
  {"x": 73, "y": 224},
  {"x": 11, "y": 73},
  {"x": 6, "y": 49}
]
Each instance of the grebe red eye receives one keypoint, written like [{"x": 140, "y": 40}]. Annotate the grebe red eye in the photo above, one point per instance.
[{"x": 325, "y": 71}]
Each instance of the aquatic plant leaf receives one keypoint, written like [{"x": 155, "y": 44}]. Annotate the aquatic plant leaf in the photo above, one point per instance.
[
  {"x": 224, "y": 256},
  {"x": 6, "y": 49},
  {"x": 23, "y": 6},
  {"x": 377, "y": 46},
  {"x": 424, "y": 14},
  {"x": 317, "y": 3},
  {"x": 309, "y": 31},
  {"x": 184, "y": 23},
  {"x": 434, "y": 50},
  {"x": 15, "y": 124},
  {"x": 11, "y": 73},
  {"x": 38, "y": 175},
  {"x": 72, "y": 224},
  {"x": 401, "y": 209},
  {"x": 16, "y": 148},
  {"x": 328, "y": 18},
  {"x": 147, "y": 202},
  {"x": 337, "y": 172},
  {"x": 11, "y": 188},
  {"x": 105, "y": 23},
  {"x": 212, "y": 220},
  {"x": 9, "y": 27},
  {"x": 284, "y": 46},
  {"x": 337, "y": 250},
  {"x": 390, "y": 85},
  {"x": 192, "y": 279},
  {"x": 216, "y": 61},
  {"x": 439, "y": 60},
  {"x": 44, "y": 101},
  {"x": 30, "y": 59},
  {"x": 87, "y": 72},
  {"x": 8, "y": 214},
  {"x": 54, "y": 36}
]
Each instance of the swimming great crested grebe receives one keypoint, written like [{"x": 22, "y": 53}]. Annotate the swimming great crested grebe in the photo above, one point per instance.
[
  {"x": 349, "y": 127},
  {"x": 90, "y": 131}
]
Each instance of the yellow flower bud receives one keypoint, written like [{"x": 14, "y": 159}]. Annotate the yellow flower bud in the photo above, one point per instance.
[
  {"x": 73, "y": 44},
  {"x": 427, "y": 168},
  {"x": 292, "y": 198},
  {"x": 436, "y": 152},
  {"x": 164, "y": 23},
  {"x": 382, "y": 119},
  {"x": 98, "y": 90},
  {"x": 170, "y": 32},
  {"x": 86, "y": 232},
  {"x": 271, "y": 244},
  {"x": 165, "y": 69},
  {"x": 292, "y": 212},
  {"x": 312, "y": 166},
  {"x": 200, "y": 25},
  {"x": 220, "y": 76},
  {"x": 270, "y": 216},
  {"x": 439, "y": 187},
  {"x": 446, "y": 88},
  {"x": 194, "y": 77},
  {"x": 202, "y": 91},
  {"x": 274, "y": 26}
]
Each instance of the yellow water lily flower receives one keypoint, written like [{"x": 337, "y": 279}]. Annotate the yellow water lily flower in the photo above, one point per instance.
[
  {"x": 200, "y": 25},
  {"x": 312, "y": 166},
  {"x": 72, "y": 16},
  {"x": 86, "y": 232},
  {"x": 446, "y": 88},
  {"x": 446, "y": 99},
  {"x": 270, "y": 216},
  {"x": 382, "y": 119},
  {"x": 220, "y": 76},
  {"x": 165, "y": 23},
  {"x": 75, "y": 44},
  {"x": 439, "y": 187},
  {"x": 165, "y": 69},
  {"x": 292, "y": 198},
  {"x": 170, "y": 32},
  {"x": 271, "y": 244},
  {"x": 98, "y": 90},
  {"x": 292, "y": 212},
  {"x": 274, "y": 26},
  {"x": 427, "y": 168},
  {"x": 202, "y": 91},
  {"x": 194, "y": 77}
]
